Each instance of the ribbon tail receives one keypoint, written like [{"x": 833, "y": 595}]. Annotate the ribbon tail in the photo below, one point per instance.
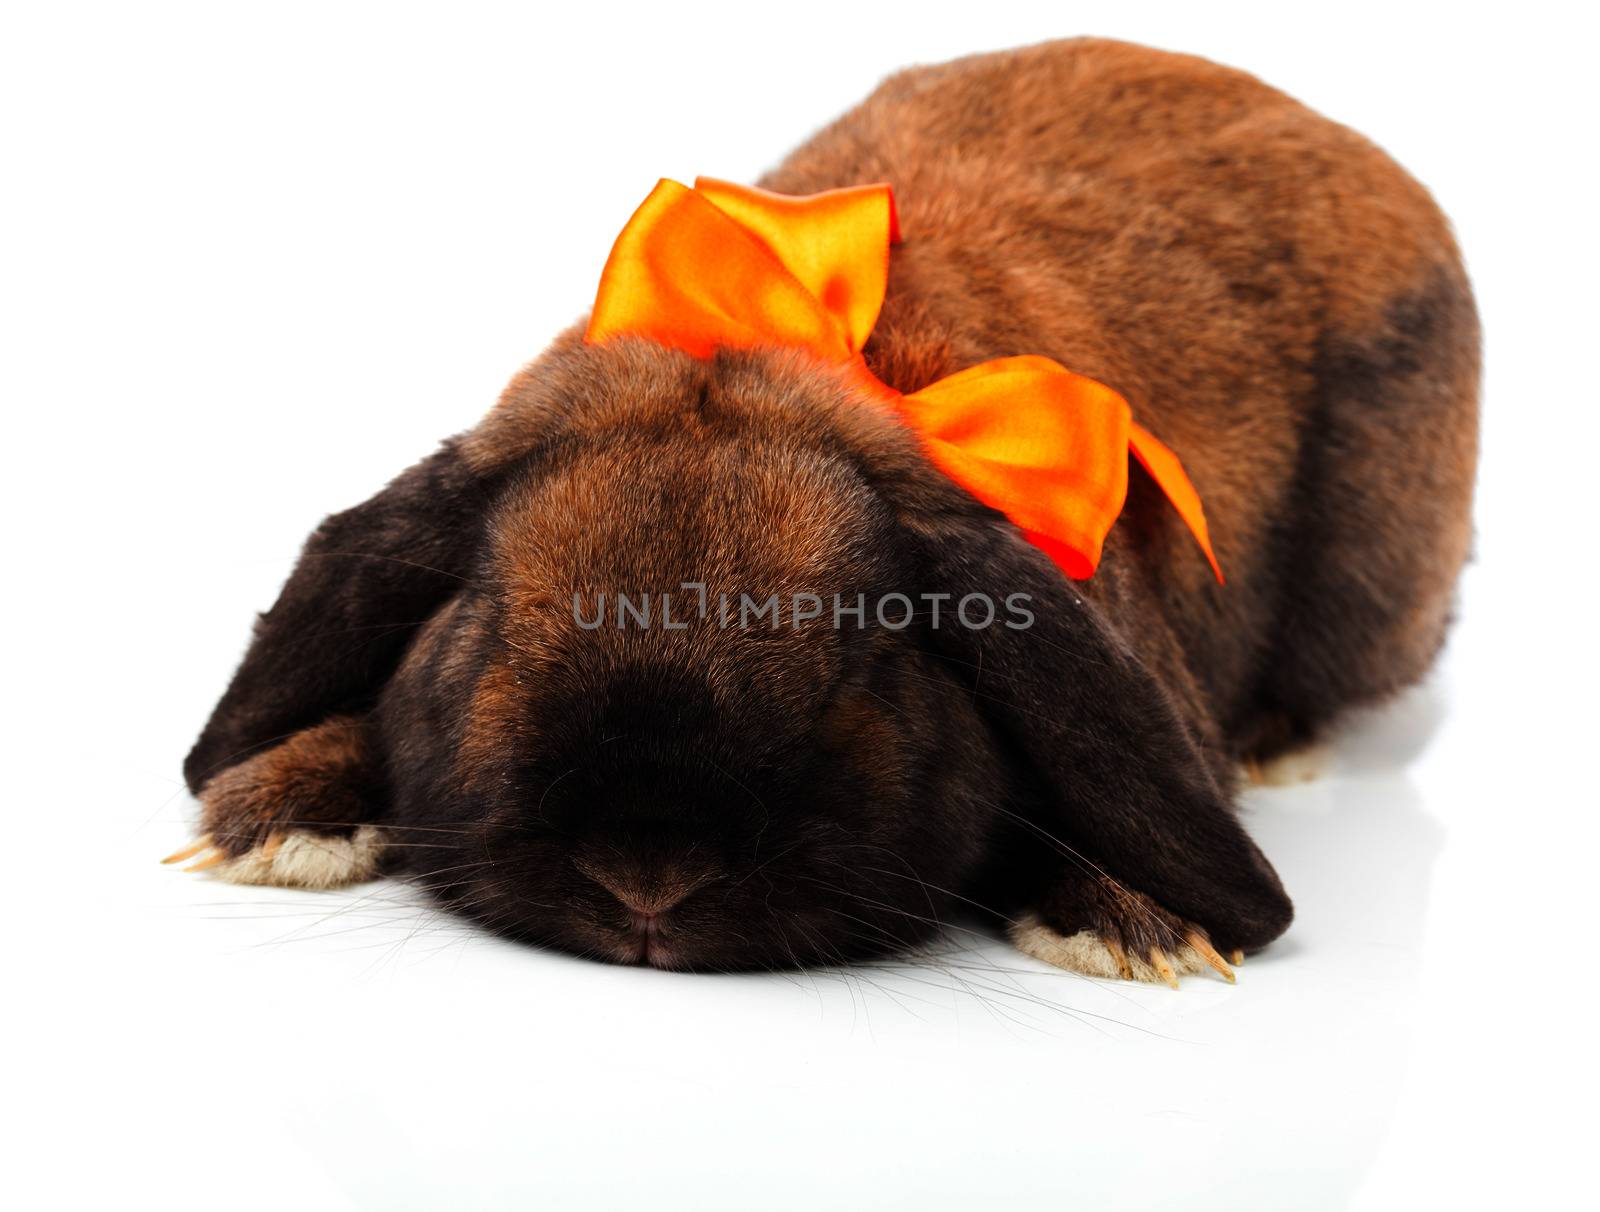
[{"x": 1168, "y": 473}]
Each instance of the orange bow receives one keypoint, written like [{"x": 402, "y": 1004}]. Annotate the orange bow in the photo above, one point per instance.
[{"x": 726, "y": 265}]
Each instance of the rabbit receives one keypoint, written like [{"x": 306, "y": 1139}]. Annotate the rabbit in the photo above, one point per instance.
[{"x": 1278, "y": 301}]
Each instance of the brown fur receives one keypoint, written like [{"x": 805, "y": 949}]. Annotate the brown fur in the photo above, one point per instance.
[
  {"x": 1280, "y": 304},
  {"x": 322, "y": 779},
  {"x": 1275, "y": 297}
]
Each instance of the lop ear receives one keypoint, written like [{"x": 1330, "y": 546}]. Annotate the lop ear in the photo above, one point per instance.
[
  {"x": 1132, "y": 791},
  {"x": 366, "y": 580}
]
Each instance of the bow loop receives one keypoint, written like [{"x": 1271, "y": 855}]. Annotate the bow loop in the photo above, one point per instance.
[
  {"x": 1057, "y": 467},
  {"x": 727, "y": 265},
  {"x": 686, "y": 274},
  {"x": 835, "y": 243}
]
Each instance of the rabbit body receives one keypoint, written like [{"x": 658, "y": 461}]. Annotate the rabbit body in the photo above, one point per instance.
[{"x": 1280, "y": 304}]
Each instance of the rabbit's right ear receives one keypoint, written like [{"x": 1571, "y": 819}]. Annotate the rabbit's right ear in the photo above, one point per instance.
[{"x": 366, "y": 580}]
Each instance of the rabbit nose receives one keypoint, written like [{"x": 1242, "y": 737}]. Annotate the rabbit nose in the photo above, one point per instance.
[
  {"x": 646, "y": 890},
  {"x": 645, "y": 902}
]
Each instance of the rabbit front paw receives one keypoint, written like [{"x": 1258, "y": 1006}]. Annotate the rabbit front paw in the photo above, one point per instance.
[
  {"x": 297, "y": 815},
  {"x": 1100, "y": 927}
]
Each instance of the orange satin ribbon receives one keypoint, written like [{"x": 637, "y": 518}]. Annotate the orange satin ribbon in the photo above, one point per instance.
[{"x": 727, "y": 265}]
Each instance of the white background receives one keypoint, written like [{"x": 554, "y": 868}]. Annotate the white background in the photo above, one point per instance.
[{"x": 258, "y": 258}]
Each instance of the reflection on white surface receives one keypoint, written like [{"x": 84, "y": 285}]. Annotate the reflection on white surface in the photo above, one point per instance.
[{"x": 385, "y": 1050}]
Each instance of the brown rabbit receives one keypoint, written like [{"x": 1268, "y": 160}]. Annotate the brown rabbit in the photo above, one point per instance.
[{"x": 1281, "y": 305}]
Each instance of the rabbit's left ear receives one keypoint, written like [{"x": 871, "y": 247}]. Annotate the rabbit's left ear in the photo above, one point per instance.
[
  {"x": 1132, "y": 792},
  {"x": 367, "y": 579}
]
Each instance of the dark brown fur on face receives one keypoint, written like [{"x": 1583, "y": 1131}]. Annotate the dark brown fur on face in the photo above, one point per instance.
[{"x": 1279, "y": 303}]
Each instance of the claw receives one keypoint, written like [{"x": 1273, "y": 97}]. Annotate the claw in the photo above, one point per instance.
[
  {"x": 211, "y": 860},
  {"x": 1121, "y": 956},
  {"x": 1236, "y": 957},
  {"x": 1209, "y": 954},
  {"x": 190, "y": 851},
  {"x": 1158, "y": 961}
]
